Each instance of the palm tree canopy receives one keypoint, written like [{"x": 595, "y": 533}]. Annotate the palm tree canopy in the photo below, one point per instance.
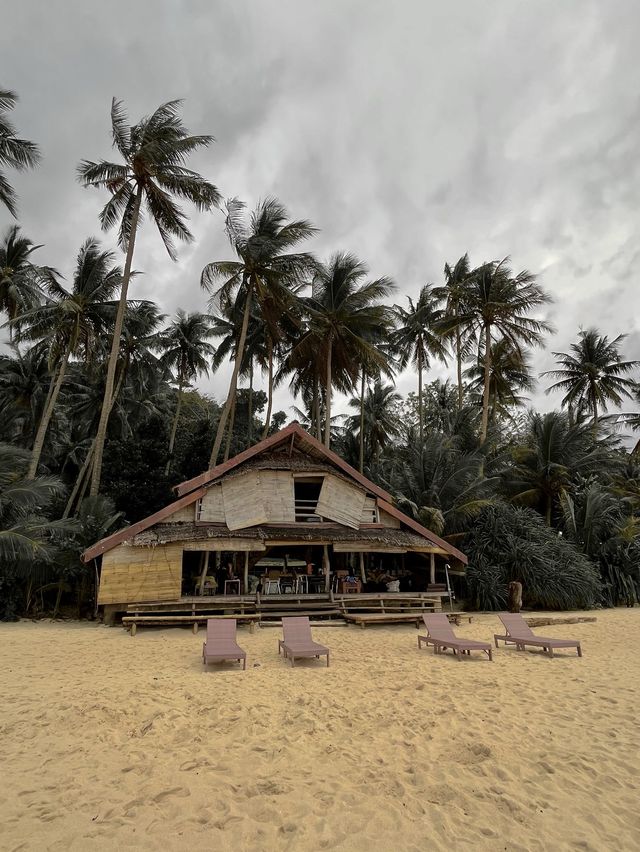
[
  {"x": 592, "y": 373},
  {"x": 510, "y": 374},
  {"x": 187, "y": 350},
  {"x": 14, "y": 152},
  {"x": 381, "y": 424},
  {"x": 22, "y": 282},
  {"x": 415, "y": 339},
  {"x": 154, "y": 152}
]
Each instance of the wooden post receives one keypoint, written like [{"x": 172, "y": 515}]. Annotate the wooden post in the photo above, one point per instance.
[
  {"x": 246, "y": 572},
  {"x": 325, "y": 562},
  {"x": 205, "y": 569},
  {"x": 363, "y": 575},
  {"x": 433, "y": 569}
]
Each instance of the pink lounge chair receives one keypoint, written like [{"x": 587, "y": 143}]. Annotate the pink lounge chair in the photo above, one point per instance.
[
  {"x": 221, "y": 642},
  {"x": 298, "y": 642},
  {"x": 520, "y": 634},
  {"x": 440, "y": 634}
]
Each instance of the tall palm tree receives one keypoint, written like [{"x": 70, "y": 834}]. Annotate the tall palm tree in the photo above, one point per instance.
[
  {"x": 21, "y": 281},
  {"x": 14, "y": 152},
  {"x": 452, "y": 293},
  {"x": 593, "y": 374},
  {"x": 497, "y": 302},
  {"x": 415, "y": 339},
  {"x": 189, "y": 353},
  {"x": 266, "y": 271},
  {"x": 154, "y": 153},
  {"x": 345, "y": 313},
  {"x": 24, "y": 382},
  {"x": 510, "y": 375},
  {"x": 71, "y": 323},
  {"x": 376, "y": 418}
]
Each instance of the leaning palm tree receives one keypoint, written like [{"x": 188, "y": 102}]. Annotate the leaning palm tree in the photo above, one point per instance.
[
  {"x": 345, "y": 313},
  {"x": 14, "y": 152},
  {"x": 266, "y": 271},
  {"x": 452, "y": 293},
  {"x": 22, "y": 282},
  {"x": 189, "y": 353},
  {"x": 415, "y": 339},
  {"x": 154, "y": 153},
  {"x": 497, "y": 302},
  {"x": 510, "y": 376},
  {"x": 592, "y": 374},
  {"x": 71, "y": 324}
]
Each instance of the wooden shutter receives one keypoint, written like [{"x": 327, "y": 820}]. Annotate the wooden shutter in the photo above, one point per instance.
[
  {"x": 243, "y": 502},
  {"x": 340, "y": 501},
  {"x": 135, "y": 574},
  {"x": 278, "y": 496}
]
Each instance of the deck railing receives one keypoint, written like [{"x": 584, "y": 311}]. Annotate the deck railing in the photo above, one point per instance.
[{"x": 305, "y": 511}]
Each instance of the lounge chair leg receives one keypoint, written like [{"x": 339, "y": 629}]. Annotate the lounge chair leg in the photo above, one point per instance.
[
  {"x": 490, "y": 652},
  {"x": 579, "y": 651},
  {"x": 327, "y": 661}
]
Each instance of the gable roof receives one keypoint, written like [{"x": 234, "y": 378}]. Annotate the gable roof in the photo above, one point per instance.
[{"x": 193, "y": 489}]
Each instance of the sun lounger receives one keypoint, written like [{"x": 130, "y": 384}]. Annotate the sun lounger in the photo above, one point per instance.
[
  {"x": 440, "y": 634},
  {"x": 520, "y": 634},
  {"x": 221, "y": 642},
  {"x": 298, "y": 642}
]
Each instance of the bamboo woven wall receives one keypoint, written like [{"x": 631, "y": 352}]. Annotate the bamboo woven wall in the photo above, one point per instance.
[
  {"x": 186, "y": 514},
  {"x": 388, "y": 520},
  {"x": 278, "y": 496},
  {"x": 212, "y": 508},
  {"x": 243, "y": 502},
  {"x": 132, "y": 574},
  {"x": 341, "y": 502}
]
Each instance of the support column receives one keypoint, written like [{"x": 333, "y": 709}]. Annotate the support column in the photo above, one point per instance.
[
  {"x": 433, "y": 568},
  {"x": 326, "y": 566},
  {"x": 245, "y": 585},
  {"x": 363, "y": 575}
]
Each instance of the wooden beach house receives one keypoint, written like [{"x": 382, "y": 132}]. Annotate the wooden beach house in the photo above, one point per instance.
[{"x": 287, "y": 517}]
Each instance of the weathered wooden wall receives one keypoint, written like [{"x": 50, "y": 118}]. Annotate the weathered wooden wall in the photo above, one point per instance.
[
  {"x": 278, "y": 496},
  {"x": 243, "y": 501},
  {"x": 388, "y": 520},
  {"x": 186, "y": 514},
  {"x": 132, "y": 574},
  {"x": 212, "y": 506},
  {"x": 341, "y": 502}
]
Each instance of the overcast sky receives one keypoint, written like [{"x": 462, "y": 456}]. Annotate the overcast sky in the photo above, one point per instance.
[{"x": 409, "y": 132}]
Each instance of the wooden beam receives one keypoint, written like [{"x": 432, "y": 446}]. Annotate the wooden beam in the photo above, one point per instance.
[
  {"x": 326, "y": 564},
  {"x": 246, "y": 572},
  {"x": 432, "y": 569},
  {"x": 220, "y": 544}
]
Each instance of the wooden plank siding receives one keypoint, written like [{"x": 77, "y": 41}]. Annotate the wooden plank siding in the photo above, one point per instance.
[
  {"x": 243, "y": 501},
  {"x": 184, "y": 515},
  {"x": 278, "y": 496},
  {"x": 212, "y": 506},
  {"x": 341, "y": 502},
  {"x": 388, "y": 520},
  {"x": 213, "y": 544},
  {"x": 141, "y": 574}
]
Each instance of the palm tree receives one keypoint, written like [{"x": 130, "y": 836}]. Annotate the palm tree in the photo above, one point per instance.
[
  {"x": 415, "y": 339},
  {"x": 510, "y": 375},
  {"x": 266, "y": 271},
  {"x": 21, "y": 281},
  {"x": 345, "y": 315},
  {"x": 453, "y": 295},
  {"x": 592, "y": 374},
  {"x": 188, "y": 353},
  {"x": 376, "y": 418},
  {"x": 24, "y": 382},
  {"x": 72, "y": 323},
  {"x": 154, "y": 153},
  {"x": 499, "y": 303},
  {"x": 14, "y": 152}
]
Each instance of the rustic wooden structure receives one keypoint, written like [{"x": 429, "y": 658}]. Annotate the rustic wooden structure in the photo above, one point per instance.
[{"x": 286, "y": 494}]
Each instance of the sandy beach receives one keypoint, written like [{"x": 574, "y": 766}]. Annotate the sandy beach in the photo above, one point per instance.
[{"x": 127, "y": 743}]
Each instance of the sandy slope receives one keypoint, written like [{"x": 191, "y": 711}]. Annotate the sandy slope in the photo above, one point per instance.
[{"x": 125, "y": 743}]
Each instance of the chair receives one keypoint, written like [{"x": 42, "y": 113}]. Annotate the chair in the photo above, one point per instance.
[
  {"x": 298, "y": 642},
  {"x": 520, "y": 634},
  {"x": 302, "y": 584},
  {"x": 440, "y": 634},
  {"x": 221, "y": 642},
  {"x": 272, "y": 587},
  {"x": 232, "y": 587}
]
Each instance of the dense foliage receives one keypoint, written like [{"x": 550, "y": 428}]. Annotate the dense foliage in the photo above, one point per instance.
[{"x": 101, "y": 415}]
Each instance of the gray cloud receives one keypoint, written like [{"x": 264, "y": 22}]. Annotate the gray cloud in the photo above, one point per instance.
[{"x": 409, "y": 132}]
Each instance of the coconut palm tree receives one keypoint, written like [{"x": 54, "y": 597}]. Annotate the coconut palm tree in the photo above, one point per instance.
[
  {"x": 497, "y": 302},
  {"x": 452, "y": 293},
  {"x": 189, "y": 353},
  {"x": 344, "y": 313},
  {"x": 510, "y": 375},
  {"x": 24, "y": 382},
  {"x": 415, "y": 339},
  {"x": 153, "y": 171},
  {"x": 592, "y": 374},
  {"x": 266, "y": 271},
  {"x": 14, "y": 152},
  {"x": 376, "y": 418},
  {"x": 21, "y": 281},
  {"x": 71, "y": 323}
]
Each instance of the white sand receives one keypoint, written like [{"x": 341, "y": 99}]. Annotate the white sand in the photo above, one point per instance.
[{"x": 114, "y": 742}]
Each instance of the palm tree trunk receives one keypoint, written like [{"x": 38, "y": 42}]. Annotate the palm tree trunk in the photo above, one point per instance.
[
  {"x": 420, "y": 416},
  {"x": 327, "y": 393},
  {"x": 47, "y": 414},
  {"x": 101, "y": 434},
  {"x": 233, "y": 384},
  {"x": 174, "y": 429},
  {"x": 315, "y": 408},
  {"x": 250, "y": 405},
  {"x": 267, "y": 419},
  {"x": 316, "y": 391},
  {"x": 80, "y": 479},
  {"x": 594, "y": 406},
  {"x": 362, "y": 422},
  {"x": 549, "y": 508},
  {"x": 232, "y": 420},
  {"x": 487, "y": 377},
  {"x": 459, "y": 363}
]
